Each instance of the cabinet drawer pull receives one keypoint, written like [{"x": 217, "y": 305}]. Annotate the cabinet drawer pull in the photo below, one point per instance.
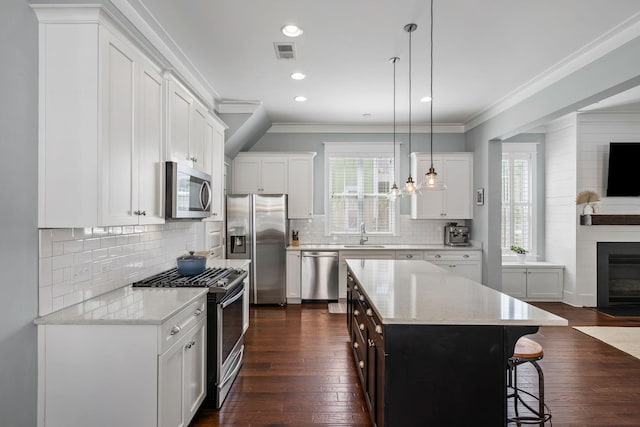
[
  {"x": 369, "y": 312},
  {"x": 361, "y": 364},
  {"x": 371, "y": 343},
  {"x": 198, "y": 312},
  {"x": 175, "y": 330},
  {"x": 361, "y": 297},
  {"x": 379, "y": 329},
  {"x": 356, "y": 345},
  {"x": 356, "y": 312},
  {"x": 465, "y": 256},
  {"x": 409, "y": 256},
  {"x": 438, "y": 256},
  {"x": 361, "y": 326}
]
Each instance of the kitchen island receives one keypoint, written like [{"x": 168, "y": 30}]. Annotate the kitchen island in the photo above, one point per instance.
[{"x": 431, "y": 347}]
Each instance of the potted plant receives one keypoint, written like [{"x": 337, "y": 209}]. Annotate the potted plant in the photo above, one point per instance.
[
  {"x": 590, "y": 198},
  {"x": 521, "y": 253}
]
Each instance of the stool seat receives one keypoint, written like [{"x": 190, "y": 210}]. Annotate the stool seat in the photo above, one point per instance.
[{"x": 527, "y": 349}]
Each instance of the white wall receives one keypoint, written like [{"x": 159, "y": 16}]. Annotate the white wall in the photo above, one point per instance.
[
  {"x": 18, "y": 214},
  {"x": 560, "y": 194},
  {"x": 595, "y": 131}
]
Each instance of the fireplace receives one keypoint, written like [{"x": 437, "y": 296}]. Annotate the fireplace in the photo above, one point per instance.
[{"x": 618, "y": 274}]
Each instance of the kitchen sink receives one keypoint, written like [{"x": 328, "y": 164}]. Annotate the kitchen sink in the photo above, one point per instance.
[{"x": 363, "y": 246}]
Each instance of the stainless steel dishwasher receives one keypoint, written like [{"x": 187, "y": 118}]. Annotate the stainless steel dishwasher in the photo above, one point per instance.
[{"x": 319, "y": 276}]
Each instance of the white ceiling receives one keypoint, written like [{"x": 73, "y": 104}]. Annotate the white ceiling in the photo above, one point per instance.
[{"x": 484, "y": 52}]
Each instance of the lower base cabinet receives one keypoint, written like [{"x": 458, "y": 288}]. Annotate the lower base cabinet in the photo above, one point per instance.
[
  {"x": 534, "y": 282},
  {"x": 106, "y": 375}
]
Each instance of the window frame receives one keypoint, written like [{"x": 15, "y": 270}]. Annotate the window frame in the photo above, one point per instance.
[
  {"x": 364, "y": 150},
  {"x": 530, "y": 151}
]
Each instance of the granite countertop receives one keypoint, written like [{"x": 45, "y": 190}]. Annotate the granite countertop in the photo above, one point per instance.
[
  {"x": 135, "y": 306},
  {"x": 418, "y": 292},
  {"x": 380, "y": 247}
]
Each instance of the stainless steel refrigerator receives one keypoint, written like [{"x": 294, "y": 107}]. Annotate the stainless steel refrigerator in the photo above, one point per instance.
[{"x": 257, "y": 229}]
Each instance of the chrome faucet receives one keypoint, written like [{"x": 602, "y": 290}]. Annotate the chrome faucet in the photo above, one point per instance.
[{"x": 363, "y": 232}]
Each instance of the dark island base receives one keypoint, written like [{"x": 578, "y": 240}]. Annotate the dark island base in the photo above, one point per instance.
[{"x": 447, "y": 375}]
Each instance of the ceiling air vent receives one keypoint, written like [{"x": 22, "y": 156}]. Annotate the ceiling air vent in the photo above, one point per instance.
[{"x": 285, "y": 50}]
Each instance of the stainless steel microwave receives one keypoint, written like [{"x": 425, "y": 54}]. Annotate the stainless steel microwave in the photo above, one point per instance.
[{"x": 188, "y": 193}]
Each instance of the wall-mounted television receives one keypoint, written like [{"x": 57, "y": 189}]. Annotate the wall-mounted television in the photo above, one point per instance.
[{"x": 624, "y": 159}]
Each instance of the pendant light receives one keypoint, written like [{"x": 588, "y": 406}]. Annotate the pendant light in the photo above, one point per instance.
[
  {"x": 395, "y": 191},
  {"x": 431, "y": 178},
  {"x": 410, "y": 187}
]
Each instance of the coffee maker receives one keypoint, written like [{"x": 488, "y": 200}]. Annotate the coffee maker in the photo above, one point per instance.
[{"x": 456, "y": 235}]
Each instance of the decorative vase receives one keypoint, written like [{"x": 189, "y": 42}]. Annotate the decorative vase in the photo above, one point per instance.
[
  {"x": 520, "y": 258},
  {"x": 588, "y": 209}
]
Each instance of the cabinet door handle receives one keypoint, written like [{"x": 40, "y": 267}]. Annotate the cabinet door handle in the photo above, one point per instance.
[
  {"x": 356, "y": 312},
  {"x": 465, "y": 256},
  {"x": 409, "y": 256},
  {"x": 361, "y": 326},
  {"x": 356, "y": 345},
  {"x": 175, "y": 330},
  {"x": 379, "y": 329},
  {"x": 361, "y": 364},
  {"x": 371, "y": 343},
  {"x": 198, "y": 312},
  {"x": 369, "y": 312},
  {"x": 438, "y": 256}
]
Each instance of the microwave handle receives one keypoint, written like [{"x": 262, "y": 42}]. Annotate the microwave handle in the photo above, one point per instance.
[{"x": 207, "y": 187}]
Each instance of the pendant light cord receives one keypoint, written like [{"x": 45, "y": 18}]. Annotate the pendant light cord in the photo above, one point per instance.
[
  {"x": 394, "y": 60},
  {"x": 431, "y": 90},
  {"x": 410, "y": 94}
]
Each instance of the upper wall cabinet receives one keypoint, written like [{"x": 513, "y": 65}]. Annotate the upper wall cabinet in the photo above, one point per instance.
[
  {"x": 455, "y": 201},
  {"x": 260, "y": 173},
  {"x": 277, "y": 173},
  {"x": 214, "y": 137},
  {"x": 189, "y": 140},
  {"x": 100, "y": 153}
]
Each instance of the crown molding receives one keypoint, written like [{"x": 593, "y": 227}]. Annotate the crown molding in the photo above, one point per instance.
[
  {"x": 181, "y": 65},
  {"x": 611, "y": 40},
  {"x": 335, "y": 128},
  {"x": 238, "y": 107}
]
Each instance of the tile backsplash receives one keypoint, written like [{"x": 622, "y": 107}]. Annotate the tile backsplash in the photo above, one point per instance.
[
  {"x": 409, "y": 231},
  {"x": 79, "y": 263}
]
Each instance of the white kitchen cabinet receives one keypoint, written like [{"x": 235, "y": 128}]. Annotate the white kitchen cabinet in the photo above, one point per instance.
[
  {"x": 466, "y": 263},
  {"x": 215, "y": 134},
  {"x": 409, "y": 255},
  {"x": 100, "y": 112},
  {"x": 300, "y": 186},
  {"x": 189, "y": 136},
  {"x": 455, "y": 170},
  {"x": 182, "y": 379},
  {"x": 260, "y": 174},
  {"x": 143, "y": 374},
  {"x": 357, "y": 254},
  {"x": 293, "y": 277},
  {"x": 535, "y": 282}
]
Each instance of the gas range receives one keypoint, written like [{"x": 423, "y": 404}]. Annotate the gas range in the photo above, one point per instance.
[{"x": 217, "y": 279}]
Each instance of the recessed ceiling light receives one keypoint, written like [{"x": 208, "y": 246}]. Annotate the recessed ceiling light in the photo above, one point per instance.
[
  {"x": 298, "y": 76},
  {"x": 300, "y": 98},
  {"x": 292, "y": 30},
  {"x": 425, "y": 99}
]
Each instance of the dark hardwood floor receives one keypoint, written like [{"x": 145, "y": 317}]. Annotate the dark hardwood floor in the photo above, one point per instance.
[{"x": 298, "y": 371}]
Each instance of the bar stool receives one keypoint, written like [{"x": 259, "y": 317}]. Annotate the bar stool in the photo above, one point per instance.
[{"x": 526, "y": 351}]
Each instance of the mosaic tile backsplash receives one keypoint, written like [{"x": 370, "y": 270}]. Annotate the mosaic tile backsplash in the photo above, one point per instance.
[{"x": 80, "y": 263}]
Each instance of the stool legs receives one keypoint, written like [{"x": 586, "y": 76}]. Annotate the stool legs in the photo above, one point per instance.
[{"x": 539, "y": 416}]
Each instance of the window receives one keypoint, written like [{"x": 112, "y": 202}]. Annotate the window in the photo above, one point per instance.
[
  {"x": 358, "y": 178},
  {"x": 518, "y": 196}
]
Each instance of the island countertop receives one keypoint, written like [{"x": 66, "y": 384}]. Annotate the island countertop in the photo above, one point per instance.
[{"x": 418, "y": 292}]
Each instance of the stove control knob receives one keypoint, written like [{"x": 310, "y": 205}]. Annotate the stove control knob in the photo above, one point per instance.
[{"x": 223, "y": 282}]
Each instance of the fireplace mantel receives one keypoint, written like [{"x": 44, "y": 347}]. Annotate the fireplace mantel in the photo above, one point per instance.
[{"x": 609, "y": 219}]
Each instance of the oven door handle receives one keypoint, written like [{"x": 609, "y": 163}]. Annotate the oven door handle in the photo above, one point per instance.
[
  {"x": 237, "y": 363},
  {"x": 233, "y": 299}
]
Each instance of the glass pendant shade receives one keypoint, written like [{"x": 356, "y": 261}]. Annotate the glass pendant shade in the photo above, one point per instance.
[
  {"x": 432, "y": 178},
  {"x": 394, "y": 192},
  {"x": 410, "y": 187}
]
